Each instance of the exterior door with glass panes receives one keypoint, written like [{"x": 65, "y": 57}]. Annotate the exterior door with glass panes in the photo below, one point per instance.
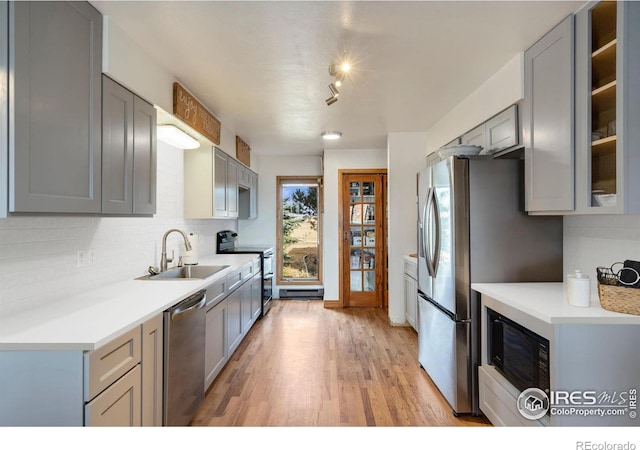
[{"x": 364, "y": 266}]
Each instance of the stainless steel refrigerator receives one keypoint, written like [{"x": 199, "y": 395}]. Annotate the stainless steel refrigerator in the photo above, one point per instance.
[{"x": 472, "y": 228}]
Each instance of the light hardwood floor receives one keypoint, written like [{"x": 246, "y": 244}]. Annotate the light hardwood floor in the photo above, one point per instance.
[{"x": 304, "y": 365}]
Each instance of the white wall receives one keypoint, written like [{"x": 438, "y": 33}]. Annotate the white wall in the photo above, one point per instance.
[
  {"x": 262, "y": 231},
  {"x": 593, "y": 241},
  {"x": 405, "y": 157},
  {"x": 38, "y": 255},
  {"x": 502, "y": 90},
  {"x": 127, "y": 63},
  {"x": 335, "y": 160}
]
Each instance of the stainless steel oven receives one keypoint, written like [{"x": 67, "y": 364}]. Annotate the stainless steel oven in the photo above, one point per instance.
[{"x": 226, "y": 242}]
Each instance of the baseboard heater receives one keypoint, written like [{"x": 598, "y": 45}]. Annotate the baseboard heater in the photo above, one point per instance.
[{"x": 306, "y": 294}]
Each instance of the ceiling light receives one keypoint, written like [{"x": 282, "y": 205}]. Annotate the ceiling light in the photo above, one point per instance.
[
  {"x": 173, "y": 135},
  {"x": 331, "y": 135},
  {"x": 331, "y": 100},
  {"x": 334, "y": 90},
  {"x": 345, "y": 66}
]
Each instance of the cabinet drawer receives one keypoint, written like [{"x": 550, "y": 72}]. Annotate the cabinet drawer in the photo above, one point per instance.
[
  {"x": 234, "y": 279},
  {"x": 256, "y": 266},
  {"x": 118, "y": 406},
  {"x": 498, "y": 404},
  {"x": 106, "y": 364},
  {"x": 216, "y": 291},
  {"x": 411, "y": 269},
  {"x": 247, "y": 271}
]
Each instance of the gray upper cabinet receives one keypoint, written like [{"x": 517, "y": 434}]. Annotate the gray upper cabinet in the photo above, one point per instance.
[
  {"x": 128, "y": 152},
  {"x": 548, "y": 121},
  {"x": 248, "y": 196},
  {"x": 55, "y": 66},
  {"x": 608, "y": 108},
  {"x": 496, "y": 134},
  {"x": 221, "y": 200},
  {"x": 475, "y": 137},
  {"x": 144, "y": 157},
  {"x": 501, "y": 131},
  {"x": 211, "y": 184},
  {"x": 233, "y": 170},
  {"x": 4, "y": 111},
  {"x": 117, "y": 148}
]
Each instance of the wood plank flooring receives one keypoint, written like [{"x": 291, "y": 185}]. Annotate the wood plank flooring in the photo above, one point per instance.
[{"x": 304, "y": 365}]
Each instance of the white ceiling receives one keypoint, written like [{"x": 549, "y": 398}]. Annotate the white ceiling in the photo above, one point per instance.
[{"x": 262, "y": 66}]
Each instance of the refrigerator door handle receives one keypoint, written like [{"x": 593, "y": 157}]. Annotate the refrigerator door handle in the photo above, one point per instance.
[
  {"x": 436, "y": 211},
  {"x": 426, "y": 237}
]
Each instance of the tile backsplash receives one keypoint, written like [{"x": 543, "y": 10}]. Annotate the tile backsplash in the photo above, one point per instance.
[
  {"x": 40, "y": 260},
  {"x": 593, "y": 241}
]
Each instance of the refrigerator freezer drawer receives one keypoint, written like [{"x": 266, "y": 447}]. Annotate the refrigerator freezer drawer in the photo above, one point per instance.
[{"x": 443, "y": 351}]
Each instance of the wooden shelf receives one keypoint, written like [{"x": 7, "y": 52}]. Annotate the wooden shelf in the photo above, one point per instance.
[
  {"x": 606, "y": 50},
  {"x": 603, "y": 65},
  {"x": 603, "y": 146},
  {"x": 604, "y": 98},
  {"x": 603, "y": 90}
]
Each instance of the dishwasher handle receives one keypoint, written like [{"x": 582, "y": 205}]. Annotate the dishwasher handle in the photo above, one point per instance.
[{"x": 191, "y": 303}]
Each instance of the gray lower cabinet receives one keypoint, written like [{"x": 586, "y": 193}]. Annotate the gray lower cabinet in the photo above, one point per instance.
[
  {"x": 215, "y": 342},
  {"x": 246, "y": 313},
  {"x": 118, "y": 384},
  {"x": 152, "y": 371},
  {"x": 411, "y": 293},
  {"x": 119, "y": 405},
  {"x": 128, "y": 152},
  {"x": 234, "y": 320},
  {"x": 548, "y": 121},
  {"x": 256, "y": 296},
  {"x": 231, "y": 311},
  {"x": 55, "y": 58}
]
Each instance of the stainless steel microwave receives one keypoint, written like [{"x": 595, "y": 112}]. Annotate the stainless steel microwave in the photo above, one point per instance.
[{"x": 518, "y": 353}]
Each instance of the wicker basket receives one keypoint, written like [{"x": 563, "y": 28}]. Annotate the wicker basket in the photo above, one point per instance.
[
  {"x": 619, "y": 299},
  {"x": 613, "y": 295}
]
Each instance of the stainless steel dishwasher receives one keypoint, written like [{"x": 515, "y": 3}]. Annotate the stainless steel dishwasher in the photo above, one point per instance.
[{"x": 184, "y": 340}]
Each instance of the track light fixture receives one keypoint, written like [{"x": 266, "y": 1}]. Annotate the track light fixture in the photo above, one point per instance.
[
  {"x": 331, "y": 100},
  {"x": 337, "y": 71}
]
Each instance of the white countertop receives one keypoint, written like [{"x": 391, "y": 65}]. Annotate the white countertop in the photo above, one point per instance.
[
  {"x": 411, "y": 259},
  {"x": 546, "y": 302},
  {"x": 88, "y": 320}
]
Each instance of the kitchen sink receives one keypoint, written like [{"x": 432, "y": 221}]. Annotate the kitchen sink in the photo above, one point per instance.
[{"x": 185, "y": 273}]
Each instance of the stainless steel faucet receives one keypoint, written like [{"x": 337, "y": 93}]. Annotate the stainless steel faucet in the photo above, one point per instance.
[{"x": 163, "y": 259}]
